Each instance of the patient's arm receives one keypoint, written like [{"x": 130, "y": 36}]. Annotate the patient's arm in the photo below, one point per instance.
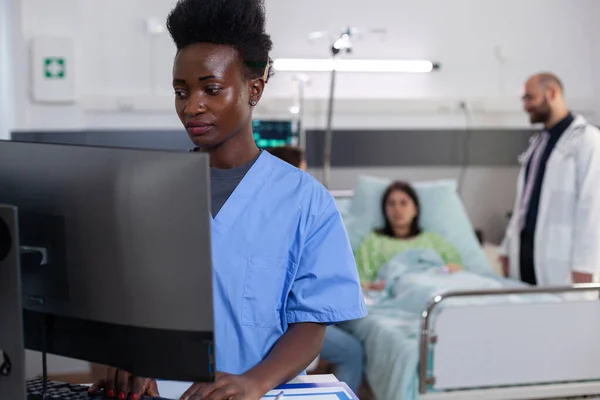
[
  {"x": 581, "y": 277},
  {"x": 369, "y": 258},
  {"x": 454, "y": 268},
  {"x": 379, "y": 285},
  {"x": 446, "y": 250}
]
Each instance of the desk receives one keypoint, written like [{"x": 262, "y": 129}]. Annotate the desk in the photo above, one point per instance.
[{"x": 306, "y": 387}]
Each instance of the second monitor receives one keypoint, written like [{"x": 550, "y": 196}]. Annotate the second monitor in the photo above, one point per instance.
[
  {"x": 116, "y": 255},
  {"x": 273, "y": 133}
]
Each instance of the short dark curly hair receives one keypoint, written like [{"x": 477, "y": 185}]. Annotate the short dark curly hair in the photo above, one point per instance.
[{"x": 236, "y": 23}]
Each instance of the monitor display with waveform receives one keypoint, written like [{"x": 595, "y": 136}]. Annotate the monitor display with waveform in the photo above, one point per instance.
[{"x": 272, "y": 133}]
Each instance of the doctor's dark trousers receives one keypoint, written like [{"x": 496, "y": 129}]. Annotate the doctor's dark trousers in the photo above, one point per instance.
[{"x": 526, "y": 259}]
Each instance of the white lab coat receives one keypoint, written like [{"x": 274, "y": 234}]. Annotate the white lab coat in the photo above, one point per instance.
[{"x": 567, "y": 237}]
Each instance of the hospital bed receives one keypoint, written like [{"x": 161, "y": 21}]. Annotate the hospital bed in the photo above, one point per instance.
[{"x": 478, "y": 349}]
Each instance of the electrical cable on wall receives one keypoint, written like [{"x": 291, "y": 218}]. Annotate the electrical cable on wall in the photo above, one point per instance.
[
  {"x": 153, "y": 65},
  {"x": 501, "y": 58},
  {"x": 465, "y": 148}
]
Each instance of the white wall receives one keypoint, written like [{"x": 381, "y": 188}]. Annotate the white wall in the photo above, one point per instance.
[
  {"x": 4, "y": 73},
  {"x": 124, "y": 74},
  {"x": 10, "y": 33},
  {"x": 596, "y": 60}
]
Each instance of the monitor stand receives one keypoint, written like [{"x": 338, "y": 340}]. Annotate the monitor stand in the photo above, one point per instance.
[{"x": 12, "y": 353}]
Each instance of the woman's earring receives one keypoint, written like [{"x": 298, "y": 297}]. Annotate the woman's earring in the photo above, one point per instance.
[{"x": 253, "y": 102}]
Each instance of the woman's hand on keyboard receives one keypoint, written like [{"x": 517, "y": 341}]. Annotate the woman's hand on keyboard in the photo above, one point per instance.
[
  {"x": 225, "y": 387},
  {"x": 119, "y": 384}
]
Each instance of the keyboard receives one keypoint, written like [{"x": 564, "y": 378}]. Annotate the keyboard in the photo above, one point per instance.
[{"x": 66, "y": 391}]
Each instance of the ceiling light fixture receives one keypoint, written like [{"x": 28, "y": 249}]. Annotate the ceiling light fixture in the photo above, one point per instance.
[
  {"x": 344, "y": 44},
  {"x": 353, "y": 65}
]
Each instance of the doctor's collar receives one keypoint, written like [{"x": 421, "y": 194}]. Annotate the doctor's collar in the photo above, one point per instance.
[{"x": 561, "y": 125}]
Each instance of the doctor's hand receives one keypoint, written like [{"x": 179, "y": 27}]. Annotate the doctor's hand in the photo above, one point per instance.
[
  {"x": 226, "y": 387},
  {"x": 503, "y": 260},
  {"x": 120, "y": 384}
]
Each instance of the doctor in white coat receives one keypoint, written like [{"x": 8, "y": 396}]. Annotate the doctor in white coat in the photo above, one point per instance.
[{"x": 553, "y": 238}]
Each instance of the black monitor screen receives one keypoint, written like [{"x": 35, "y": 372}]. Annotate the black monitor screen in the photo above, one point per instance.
[{"x": 272, "y": 133}]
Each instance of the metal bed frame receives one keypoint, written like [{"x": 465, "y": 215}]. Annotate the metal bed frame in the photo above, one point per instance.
[
  {"x": 426, "y": 338},
  {"x": 342, "y": 194}
]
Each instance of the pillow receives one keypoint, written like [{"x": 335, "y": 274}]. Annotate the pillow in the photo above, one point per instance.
[{"x": 442, "y": 212}]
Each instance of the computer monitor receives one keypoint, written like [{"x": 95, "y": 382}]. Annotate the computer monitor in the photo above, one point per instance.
[
  {"x": 272, "y": 133},
  {"x": 12, "y": 358},
  {"x": 116, "y": 255}
]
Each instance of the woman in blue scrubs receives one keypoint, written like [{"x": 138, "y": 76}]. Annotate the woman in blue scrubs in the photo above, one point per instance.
[{"x": 282, "y": 263}]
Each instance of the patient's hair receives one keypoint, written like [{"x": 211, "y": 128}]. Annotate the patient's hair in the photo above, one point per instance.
[
  {"x": 236, "y": 23},
  {"x": 415, "y": 228},
  {"x": 290, "y": 154}
]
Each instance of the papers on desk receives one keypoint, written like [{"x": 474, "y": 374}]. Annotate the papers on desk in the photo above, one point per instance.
[
  {"x": 296, "y": 391},
  {"x": 172, "y": 390},
  {"x": 313, "y": 391}
]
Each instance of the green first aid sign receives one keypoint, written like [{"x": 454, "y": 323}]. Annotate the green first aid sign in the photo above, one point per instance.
[{"x": 54, "y": 67}]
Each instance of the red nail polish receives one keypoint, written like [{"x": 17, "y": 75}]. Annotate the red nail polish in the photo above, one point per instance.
[
  {"x": 135, "y": 396},
  {"x": 111, "y": 393},
  {"x": 122, "y": 396}
]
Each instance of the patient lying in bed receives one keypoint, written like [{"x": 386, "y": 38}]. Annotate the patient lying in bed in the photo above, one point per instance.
[
  {"x": 401, "y": 266},
  {"x": 401, "y": 232}
]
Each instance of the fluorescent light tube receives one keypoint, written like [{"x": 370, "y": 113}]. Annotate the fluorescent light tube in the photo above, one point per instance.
[{"x": 351, "y": 65}]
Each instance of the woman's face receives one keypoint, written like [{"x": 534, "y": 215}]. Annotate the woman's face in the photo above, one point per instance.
[
  {"x": 212, "y": 94},
  {"x": 400, "y": 209}
]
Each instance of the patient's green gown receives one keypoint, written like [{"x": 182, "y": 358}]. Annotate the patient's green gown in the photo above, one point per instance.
[{"x": 376, "y": 250}]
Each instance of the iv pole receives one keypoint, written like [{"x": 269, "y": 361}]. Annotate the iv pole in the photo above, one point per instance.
[
  {"x": 329, "y": 128},
  {"x": 301, "y": 80},
  {"x": 342, "y": 43}
]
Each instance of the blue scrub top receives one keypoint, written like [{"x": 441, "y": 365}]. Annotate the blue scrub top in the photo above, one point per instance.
[{"x": 281, "y": 256}]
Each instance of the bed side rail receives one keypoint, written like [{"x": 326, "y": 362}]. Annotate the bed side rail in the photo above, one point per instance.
[{"x": 426, "y": 338}]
